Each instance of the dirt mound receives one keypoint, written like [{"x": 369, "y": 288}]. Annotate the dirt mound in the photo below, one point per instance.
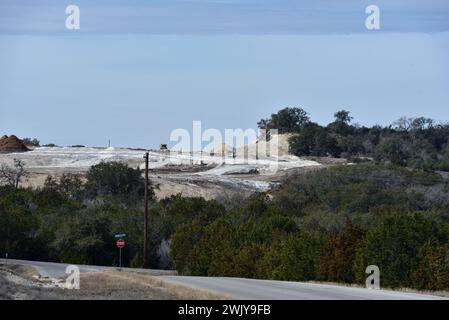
[
  {"x": 279, "y": 146},
  {"x": 12, "y": 144}
]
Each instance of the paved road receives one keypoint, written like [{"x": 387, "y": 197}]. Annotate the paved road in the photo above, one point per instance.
[
  {"x": 252, "y": 289},
  {"x": 57, "y": 270},
  {"x": 238, "y": 288}
]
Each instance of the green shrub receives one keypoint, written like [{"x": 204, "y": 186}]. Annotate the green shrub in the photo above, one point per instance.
[
  {"x": 393, "y": 245},
  {"x": 432, "y": 272},
  {"x": 182, "y": 243},
  {"x": 336, "y": 261},
  {"x": 116, "y": 181},
  {"x": 298, "y": 256}
]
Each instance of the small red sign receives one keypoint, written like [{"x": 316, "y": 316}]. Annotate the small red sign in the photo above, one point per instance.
[{"x": 120, "y": 243}]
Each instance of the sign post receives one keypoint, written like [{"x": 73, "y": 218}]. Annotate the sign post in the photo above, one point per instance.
[{"x": 120, "y": 244}]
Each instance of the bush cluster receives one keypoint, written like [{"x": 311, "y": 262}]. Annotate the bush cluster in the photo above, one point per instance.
[{"x": 418, "y": 143}]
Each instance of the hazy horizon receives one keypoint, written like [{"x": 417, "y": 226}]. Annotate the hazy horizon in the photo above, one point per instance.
[{"x": 135, "y": 71}]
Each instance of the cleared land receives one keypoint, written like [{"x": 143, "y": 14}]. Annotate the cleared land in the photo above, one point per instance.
[{"x": 209, "y": 175}]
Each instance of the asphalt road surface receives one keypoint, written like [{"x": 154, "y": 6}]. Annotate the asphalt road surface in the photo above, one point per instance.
[
  {"x": 57, "y": 270},
  {"x": 251, "y": 289}
]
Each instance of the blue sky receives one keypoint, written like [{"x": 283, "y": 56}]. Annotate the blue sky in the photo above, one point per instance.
[
  {"x": 223, "y": 16},
  {"x": 138, "y": 69}
]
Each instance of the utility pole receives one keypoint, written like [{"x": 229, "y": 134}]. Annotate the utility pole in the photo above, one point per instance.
[
  {"x": 223, "y": 152},
  {"x": 145, "y": 217},
  {"x": 257, "y": 149},
  {"x": 120, "y": 258}
]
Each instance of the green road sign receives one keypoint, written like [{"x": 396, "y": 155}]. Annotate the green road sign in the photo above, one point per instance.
[{"x": 120, "y": 235}]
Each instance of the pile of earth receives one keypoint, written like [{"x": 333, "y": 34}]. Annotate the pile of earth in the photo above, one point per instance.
[{"x": 12, "y": 144}]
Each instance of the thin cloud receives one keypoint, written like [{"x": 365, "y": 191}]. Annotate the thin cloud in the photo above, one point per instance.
[{"x": 224, "y": 16}]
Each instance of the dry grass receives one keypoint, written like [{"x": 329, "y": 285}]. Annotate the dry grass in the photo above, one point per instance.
[
  {"x": 180, "y": 291},
  {"x": 26, "y": 272},
  {"x": 21, "y": 282},
  {"x": 408, "y": 290}
]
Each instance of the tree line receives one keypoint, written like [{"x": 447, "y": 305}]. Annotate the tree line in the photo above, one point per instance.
[{"x": 419, "y": 143}]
